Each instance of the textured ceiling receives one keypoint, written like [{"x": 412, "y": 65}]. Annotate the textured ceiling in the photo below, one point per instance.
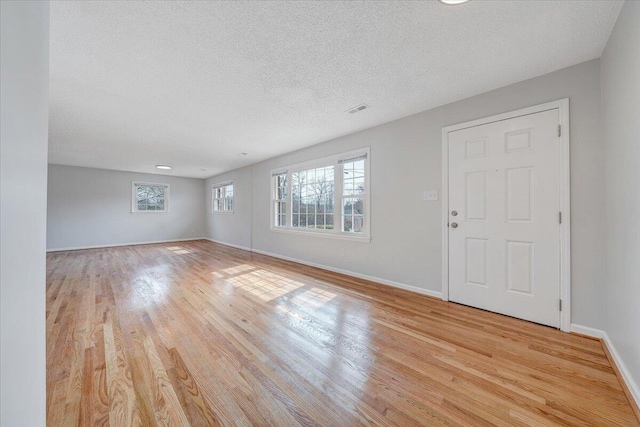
[{"x": 192, "y": 84}]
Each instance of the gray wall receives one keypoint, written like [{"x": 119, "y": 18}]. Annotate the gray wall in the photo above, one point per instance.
[
  {"x": 24, "y": 110},
  {"x": 92, "y": 207},
  {"x": 621, "y": 134},
  {"x": 406, "y": 161},
  {"x": 231, "y": 228}
]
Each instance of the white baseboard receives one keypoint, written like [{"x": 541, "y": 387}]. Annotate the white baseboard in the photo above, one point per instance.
[
  {"x": 244, "y": 248},
  {"x": 406, "y": 287},
  {"x": 114, "y": 245},
  {"x": 588, "y": 331},
  {"x": 622, "y": 368}
]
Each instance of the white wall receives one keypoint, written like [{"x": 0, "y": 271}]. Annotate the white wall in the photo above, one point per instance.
[
  {"x": 24, "y": 110},
  {"x": 92, "y": 207},
  {"x": 406, "y": 161},
  {"x": 621, "y": 133},
  {"x": 231, "y": 228}
]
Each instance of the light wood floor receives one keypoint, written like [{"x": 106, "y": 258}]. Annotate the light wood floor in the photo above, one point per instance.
[{"x": 195, "y": 333}]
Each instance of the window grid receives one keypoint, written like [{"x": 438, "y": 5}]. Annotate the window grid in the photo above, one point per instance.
[
  {"x": 150, "y": 197},
  {"x": 223, "y": 198},
  {"x": 280, "y": 200},
  {"x": 330, "y": 197},
  {"x": 312, "y": 195},
  {"x": 353, "y": 196}
]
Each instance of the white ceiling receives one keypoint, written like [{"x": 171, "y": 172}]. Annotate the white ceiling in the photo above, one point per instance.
[{"x": 192, "y": 84}]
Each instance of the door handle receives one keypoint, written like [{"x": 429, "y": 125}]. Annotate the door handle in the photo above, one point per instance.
[{"x": 454, "y": 225}]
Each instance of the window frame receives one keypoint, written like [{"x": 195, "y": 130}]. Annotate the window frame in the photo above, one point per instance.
[
  {"x": 364, "y": 196},
  {"x": 134, "y": 196},
  {"x": 338, "y": 218},
  {"x": 275, "y": 200},
  {"x": 214, "y": 187}
]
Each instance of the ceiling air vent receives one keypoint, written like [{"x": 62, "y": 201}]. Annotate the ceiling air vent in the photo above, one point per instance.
[{"x": 357, "y": 109}]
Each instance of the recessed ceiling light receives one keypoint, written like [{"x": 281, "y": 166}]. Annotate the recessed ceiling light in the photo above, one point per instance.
[
  {"x": 357, "y": 109},
  {"x": 166, "y": 167},
  {"x": 453, "y": 2}
]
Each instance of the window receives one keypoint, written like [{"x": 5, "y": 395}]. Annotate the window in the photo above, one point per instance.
[
  {"x": 149, "y": 197},
  {"x": 223, "y": 197},
  {"x": 312, "y": 198},
  {"x": 353, "y": 194},
  {"x": 280, "y": 199},
  {"x": 327, "y": 197}
]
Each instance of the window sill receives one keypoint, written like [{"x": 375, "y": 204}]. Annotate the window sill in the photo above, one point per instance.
[
  {"x": 339, "y": 236},
  {"x": 146, "y": 212}
]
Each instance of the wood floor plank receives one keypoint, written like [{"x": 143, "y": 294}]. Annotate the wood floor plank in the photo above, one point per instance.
[
  {"x": 100, "y": 396},
  {"x": 123, "y": 405},
  {"x": 195, "y": 403},
  {"x": 196, "y": 333}
]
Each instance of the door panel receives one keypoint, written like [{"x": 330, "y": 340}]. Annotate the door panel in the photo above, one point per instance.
[{"x": 504, "y": 182}]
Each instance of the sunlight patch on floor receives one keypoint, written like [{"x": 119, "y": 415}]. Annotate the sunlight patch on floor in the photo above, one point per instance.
[
  {"x": 313, "y": 298},
  {"x": 264, "y": 284},
  {"x": 179, "y": 250},
  {"x": 238, "y": 269}
]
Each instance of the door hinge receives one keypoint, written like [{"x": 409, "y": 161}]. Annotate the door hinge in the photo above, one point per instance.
[
  {"x": 560, "y": 305},
  {"x": 559, "y": 217},
  {"x": 559, "y": 130}
]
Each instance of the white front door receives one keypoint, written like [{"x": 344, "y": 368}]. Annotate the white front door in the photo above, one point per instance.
[{"x": 504, "y": 203}]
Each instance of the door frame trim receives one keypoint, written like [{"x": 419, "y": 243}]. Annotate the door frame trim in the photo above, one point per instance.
[{"x": 562, "y": 106}]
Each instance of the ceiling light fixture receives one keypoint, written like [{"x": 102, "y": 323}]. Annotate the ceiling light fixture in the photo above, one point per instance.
[
  {"x": 166, "y": 167},
  {"x": 241, "y": 154},
  {"x": 453, "y": 2},
  {"x": 357, "y": 109}
]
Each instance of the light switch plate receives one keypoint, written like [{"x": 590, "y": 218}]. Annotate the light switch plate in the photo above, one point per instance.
[{"x": 430, "y": 196}]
